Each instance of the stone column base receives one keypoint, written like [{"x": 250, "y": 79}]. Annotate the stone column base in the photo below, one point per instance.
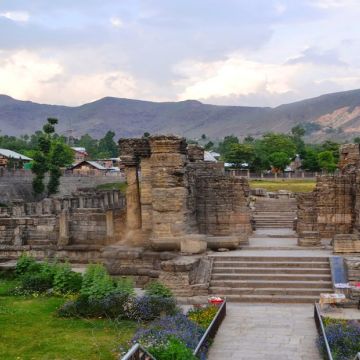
[{"x": 309, "y": 238}]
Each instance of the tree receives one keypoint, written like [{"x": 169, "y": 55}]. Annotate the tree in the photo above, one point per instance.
[
  {"x": 274, "y": 142},
  {"x": 298, "y": 131},
  {"x": 225, "y": 145},
  {"x": 332, "y": 146},
  {"x": 240, "y": 153},
  {"x": 297, "y": 136},
  {"x": 146, "y": 134},
  {"x": 327, "y": 161},
  {"x": 107, "y": 145},
  {"x": 90, "y": 144},
  {"x": 279, "y": 161},
  {"x": 357, "y": 140},
  {"x": 209, "y": 146},
  {"x": 203, "y": 137},
  {"x": 310, "y": 161},
  {"x": 249, "y": 139},
  {"x": 50, "y": 155}
]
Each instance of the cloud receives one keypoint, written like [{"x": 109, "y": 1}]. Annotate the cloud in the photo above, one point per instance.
[
  {"x": 26, "y": 75},
  {"x": 18, "y": 16},
  {"x": 317, "y": 56},
  {"x": 244, "y": 81},
  {"x": 233, "y": 77},
  {"x": 332, "y": 4},
  {"x": 116, "y": 22}
]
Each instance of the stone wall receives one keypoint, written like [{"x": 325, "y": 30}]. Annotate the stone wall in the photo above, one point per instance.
[
  {"x": 18, "y": 186},
  {"x": 80, "y": 224},
  {"x": 181, "y": 196},
  {"x": 332, "y": 210}
]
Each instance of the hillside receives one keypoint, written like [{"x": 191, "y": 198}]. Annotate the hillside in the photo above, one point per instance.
[{"x": 334, "y": 115}]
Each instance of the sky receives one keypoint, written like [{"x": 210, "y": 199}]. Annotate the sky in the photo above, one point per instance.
[{"x": 234, "y": 52}]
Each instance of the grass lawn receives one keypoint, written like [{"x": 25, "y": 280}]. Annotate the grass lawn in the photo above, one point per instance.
[
  {"x": 113, "y": 186},
  {"x": 29, "y": 329},
  {"x": 294, "y": 185}
]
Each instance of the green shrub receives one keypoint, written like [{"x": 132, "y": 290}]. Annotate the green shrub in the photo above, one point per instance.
[
  {"x": 147, "y": 308},
  {"x": 97, "y": 283},
  {"x": 111, "y": 306},
  {"x": 36, "y": 282},
  {"x": 203, "y": 316},
  {"x": 65, "y": 280},
  {"x": 26, "y": 263},
  {"x": 156, "y": 288},
  {"x": 125, "y": 285},
  {"x": 173, "y": 350}
]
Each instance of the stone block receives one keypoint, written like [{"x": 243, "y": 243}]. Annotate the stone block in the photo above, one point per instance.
[
  {"x": 309, "y": 238},
  {"x": 193, "y": 245},
  {"x": 227, "y": 242},
  {"x": 346, "y": 243}
]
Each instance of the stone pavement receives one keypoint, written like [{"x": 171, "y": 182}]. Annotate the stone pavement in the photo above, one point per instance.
[{"x": 266, "y": 331}]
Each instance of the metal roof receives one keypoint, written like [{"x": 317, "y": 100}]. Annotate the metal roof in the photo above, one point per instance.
[
  {"x": 13, "y": 155},
  {"x": 93, "y": 163}
]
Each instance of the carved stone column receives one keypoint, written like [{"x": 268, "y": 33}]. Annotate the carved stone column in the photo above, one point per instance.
[
  {"x": 64, "y": 233},
  {"x": 133, "y": 208}
]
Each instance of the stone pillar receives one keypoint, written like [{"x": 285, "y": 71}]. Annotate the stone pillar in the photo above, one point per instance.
[
  {"x": 146, "y": 196},
  {"x": 169, "y": 192},
  {"x": 110, "y": 233},
  {"x": 64, "y": 233},
  {"x": 133, "y": 209}
]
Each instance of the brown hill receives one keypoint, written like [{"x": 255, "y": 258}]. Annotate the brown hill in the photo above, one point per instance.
[{"x": 334, "y": 115}]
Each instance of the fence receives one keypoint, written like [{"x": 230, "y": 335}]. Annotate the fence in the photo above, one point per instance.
[
  {"x": 212, "y": 329},
  {"x": 67, "y": 173},
  {"x": 321, "y": 330},
  {"x": 264, "y": 175},
  {"x": 137, "y": 352}
]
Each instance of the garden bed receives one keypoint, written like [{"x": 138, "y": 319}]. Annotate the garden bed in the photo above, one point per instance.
[
  {"x": 339, "y": 339},
  {"x": 179, "y": 337}
]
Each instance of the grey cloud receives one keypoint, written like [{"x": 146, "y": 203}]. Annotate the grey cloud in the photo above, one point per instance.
[{"x": 319, "y": 57}]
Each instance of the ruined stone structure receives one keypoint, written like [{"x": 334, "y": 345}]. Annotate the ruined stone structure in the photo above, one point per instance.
[
  {"x": 175, "y": 204},
  {"x": 75, "y": 227},
  {"x": 332, "y": 209},
  {"x": 174, "y": 196}
]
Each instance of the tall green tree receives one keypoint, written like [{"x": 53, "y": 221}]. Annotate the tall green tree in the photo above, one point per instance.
[
  {"x": 310, "y": 161},
  {"x": 297, "y": 134},
  {"x": 107, "y": 146},
  {"x": 225, "y": 145},
  {"x": 240, "y": 153},
  {"x": 279, "y": 161},
  {"x": 51, "y": 154},
  {"x": 327, "y": 161}
]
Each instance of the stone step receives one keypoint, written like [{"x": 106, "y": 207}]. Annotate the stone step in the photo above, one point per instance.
[
  {"x": 267, "y": 270},
  {"x": 226, "y": 291},
  {"x": 272, "y": 284},
  {"x": 278, "y": 299},
  {"x": 270, "y": 264},
  {"x": 272, "y": 277},
  {"x": 273, "y": 218},
  {"x": 280, "y": 226},
  {"x": 289, "y": 259},
  {"x": 38, "y": 242}
]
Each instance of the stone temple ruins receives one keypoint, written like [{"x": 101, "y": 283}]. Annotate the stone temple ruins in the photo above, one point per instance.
[{"x": 179, "y": 211}]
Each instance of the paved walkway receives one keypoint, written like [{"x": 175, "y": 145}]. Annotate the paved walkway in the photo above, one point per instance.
[{"x": 266, "y": 331}]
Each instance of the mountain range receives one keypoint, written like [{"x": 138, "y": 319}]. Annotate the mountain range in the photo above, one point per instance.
[{"x": 330, "y": 116}]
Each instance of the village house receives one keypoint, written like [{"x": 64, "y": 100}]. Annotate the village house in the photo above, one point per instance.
[
  {"x": 80, "y": 154},
  {"x": 88, "y": 167},
  {"x": 9, "y": 158}
]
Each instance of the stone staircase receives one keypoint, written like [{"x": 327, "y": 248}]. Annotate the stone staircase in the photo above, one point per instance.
[
  {"x": 274, "y": 213},
  {"x": 270, "y": 278}
]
